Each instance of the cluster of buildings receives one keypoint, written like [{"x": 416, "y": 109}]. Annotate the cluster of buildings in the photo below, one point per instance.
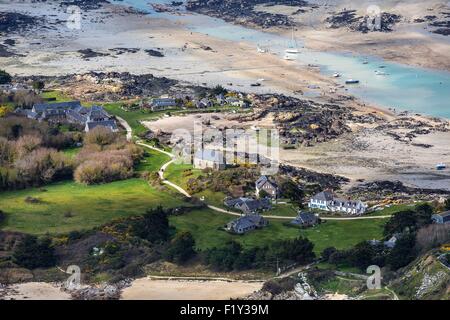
[
  {"x": 327, "y": 201},
  {"x": 71, "y": 112},
  {"x": 166, "y": 103}
]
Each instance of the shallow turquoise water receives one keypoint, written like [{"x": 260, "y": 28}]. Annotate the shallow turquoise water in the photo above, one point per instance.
[{"x": 403, "y": 87}]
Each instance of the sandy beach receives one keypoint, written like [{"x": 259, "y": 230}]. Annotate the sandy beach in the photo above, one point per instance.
[
  {"x": 36, "y": 291},
  {"x": 409, "y": 43},
  {"x": 149, "y": 289},
  {"x": 186, "y": 53}
]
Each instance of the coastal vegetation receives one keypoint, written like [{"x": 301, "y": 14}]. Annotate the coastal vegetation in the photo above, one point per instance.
[{"x": 67, "y": 206}]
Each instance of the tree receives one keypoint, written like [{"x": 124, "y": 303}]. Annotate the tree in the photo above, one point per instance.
[
  {"x": 100, "y": 136},
  {"x": 154, "y": 226},
  {"x": 362, "y": 255},
  {"x": 292, "y": 191},
  {"x": 219, "y": 90},
  {"x": 403, "y": 252},
  {"x": 5, "y": 77},
  {"x": 181, "y": 248},
  {"x": 327, "y": 252},
  {"x": 38, "y": 85},
  {"x": 223, "y": 259},
  {"x": 399, "y": 222},
  {"x": 423, "y": 215},
  {"x": 32, "y": 253}
]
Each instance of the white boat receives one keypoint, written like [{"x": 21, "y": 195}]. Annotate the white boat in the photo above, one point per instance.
[
  {"x": 441, "y": 166},
  {"x": 336, "y": 75},
  {"x": 380, "y": 73},
  {"x": 293, "y": 47}
]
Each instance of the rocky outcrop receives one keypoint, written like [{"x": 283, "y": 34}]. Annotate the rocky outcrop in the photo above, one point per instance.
[
  {"x": 242, "y": 12},
  {"x": 349, "y": 19},
  {"x": 11, "y": 22}
]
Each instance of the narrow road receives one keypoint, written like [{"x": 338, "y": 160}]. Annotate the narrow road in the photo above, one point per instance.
[{"x": 127, "y": 127}]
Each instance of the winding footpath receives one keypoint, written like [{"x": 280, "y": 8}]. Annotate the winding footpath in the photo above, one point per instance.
[{"x": 161, "y": 171}]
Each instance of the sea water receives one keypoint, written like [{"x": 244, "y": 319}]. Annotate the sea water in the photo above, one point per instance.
[{"x": 386, "y": 84}]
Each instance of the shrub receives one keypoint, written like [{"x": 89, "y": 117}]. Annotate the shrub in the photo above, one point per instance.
[
  {"x": 100, "y": 136},
  {"x": 154, "y": 226},
  {"x": 5, "y": 77},
  {"x": 181, "y": 248},
  {"x": 32, "y": 253}
]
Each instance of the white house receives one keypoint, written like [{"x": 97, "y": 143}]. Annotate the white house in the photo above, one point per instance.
[{"x": 328, "y": 202}]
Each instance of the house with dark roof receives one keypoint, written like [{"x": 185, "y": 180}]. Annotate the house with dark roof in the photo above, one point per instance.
[
  {"x": 441, "y": 218},
  {"x": 207, "y": 158},
  {"x": 305, "y": 219},
  {"x": 40, "y": 108},
  {"x": 204, "y": 103},
  {"x": 158, "y": 104},
  {"x": 327, "y": 201},
  {"x": 249, "y": 205},
  {"x": 71, "y": 112},
  {"x": 267, "y": 185},
  {"x": 246, "y": 223}
]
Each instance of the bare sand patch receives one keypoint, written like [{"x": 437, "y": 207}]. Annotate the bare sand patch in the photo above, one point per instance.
[
  {"x": 36, "y": 291},
  {"x": 148, "y": 289}
]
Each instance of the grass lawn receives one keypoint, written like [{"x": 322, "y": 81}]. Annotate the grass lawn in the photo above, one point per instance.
[
  {"x": 204, "y": 226},
  {"x": 132, "y": 117},
  {"x": 286, "y": 210},
  {"x": 152, "y": 161},
  {"x": 90, "y": 205},
  {"x": 57, "y": 95},
  {"x": 71, "y": 152},
  {"x": 176, "y": 173},
  {"x": 394, "y": 209}
]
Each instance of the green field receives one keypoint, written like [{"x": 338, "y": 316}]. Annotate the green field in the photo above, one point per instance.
[
  {"x": 71, "y": 152},
  {"x": 58, "y": 96},
  {"x": 205, "y": 224},
  {"x": 152, "y": 161},
  {"x": 89, "y": 206},
  {"x": 176, "y": 173},
  {"x": 132, "y": 117}
]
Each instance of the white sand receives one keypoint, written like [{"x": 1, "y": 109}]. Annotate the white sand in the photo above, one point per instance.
[{"x": 148, "y": 289}]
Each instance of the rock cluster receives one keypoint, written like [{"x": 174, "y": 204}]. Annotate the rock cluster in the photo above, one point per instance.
[
  {"x": 243, "y": 12},
  {"x": 15, "y": 22},
  {"x": 103, "y": 292},
  {"x": 349, "y": 19}
]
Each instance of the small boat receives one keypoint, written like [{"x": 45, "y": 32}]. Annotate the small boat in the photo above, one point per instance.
[
  {"x": 380, "y": 73},
  {"x": 365, "y": 62},
  {"x": 293, "y": 47},
  {"x": 336, "y": 75},
  {"x": 351, "y": 81},
  {"x": 441, "y": 166}
]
